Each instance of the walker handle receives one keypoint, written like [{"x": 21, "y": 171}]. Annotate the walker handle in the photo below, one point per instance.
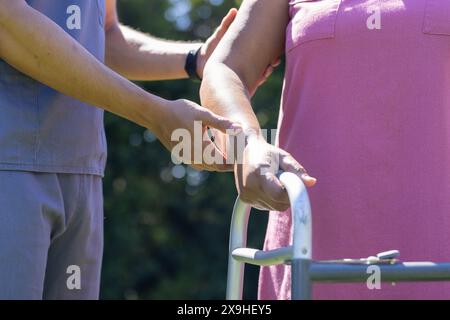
[{"x": 301, "y": 231}]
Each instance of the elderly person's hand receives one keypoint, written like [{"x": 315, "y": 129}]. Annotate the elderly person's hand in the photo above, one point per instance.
[{"x": 256, "y": 177}]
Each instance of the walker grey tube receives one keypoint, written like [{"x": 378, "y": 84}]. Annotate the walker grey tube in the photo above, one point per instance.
[
  {"x": 398, "y": 272},
  {"x": 301, "y": 230},
  {"x": 301, "y": 236},
  {"x": 301, "y": 280},
  {"x": 238, "y": 239}
]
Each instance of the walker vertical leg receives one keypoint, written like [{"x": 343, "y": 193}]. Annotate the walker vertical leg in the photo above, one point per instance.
[
  {"x": 301, "y": 236},
  {"x": 301, "y": 280},
  {"x": 238, "y": 239}
]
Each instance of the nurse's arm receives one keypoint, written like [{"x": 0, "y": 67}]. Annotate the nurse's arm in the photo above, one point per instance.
[
  {"x": 39, "y": 48},
  {"x": 139, "y": 56},
  {"x": 255, "y": 38}
]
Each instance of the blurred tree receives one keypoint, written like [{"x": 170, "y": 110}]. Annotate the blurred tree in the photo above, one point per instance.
[{"x": 166, "y": 226}]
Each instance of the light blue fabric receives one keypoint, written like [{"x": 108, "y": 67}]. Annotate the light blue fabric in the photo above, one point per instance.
[
  {"x": 49, "y": 222},
  {"x": 42, "y": 130}
]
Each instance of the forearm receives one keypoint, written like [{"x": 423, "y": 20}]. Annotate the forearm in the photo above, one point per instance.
[
  {"x": 39, "y": 48},
  {"x": 138, "y": 56},
  {"x": 253, "y": 41},
  {"x": 231, "y": 98}
]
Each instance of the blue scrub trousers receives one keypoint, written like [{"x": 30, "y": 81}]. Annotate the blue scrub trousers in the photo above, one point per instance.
[{"x": 51, "y": 235}]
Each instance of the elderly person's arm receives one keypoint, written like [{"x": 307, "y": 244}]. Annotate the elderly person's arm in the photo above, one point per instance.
[{"x": 255, "y": 39}]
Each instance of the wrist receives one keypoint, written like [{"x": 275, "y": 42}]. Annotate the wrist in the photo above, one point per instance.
[
  {"x": 150, "y": 112},
  {"x": 252, "y": 135},
  {"x": 248, "y": 139}
]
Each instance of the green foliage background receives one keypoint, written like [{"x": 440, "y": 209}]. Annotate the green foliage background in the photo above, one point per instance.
[{"x": 166, "y": 228}]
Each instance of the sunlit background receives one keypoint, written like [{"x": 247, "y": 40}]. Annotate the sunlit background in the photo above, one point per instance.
[{"x": 166, "y": 226}]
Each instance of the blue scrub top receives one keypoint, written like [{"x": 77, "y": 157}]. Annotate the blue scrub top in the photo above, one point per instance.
[{"x": 42, "y": 130}]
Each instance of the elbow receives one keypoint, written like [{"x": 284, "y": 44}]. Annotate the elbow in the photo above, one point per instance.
[{"x": 115, "y": 48}]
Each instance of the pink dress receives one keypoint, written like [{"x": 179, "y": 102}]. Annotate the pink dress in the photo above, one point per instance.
[{"x": 366, "y": 109}]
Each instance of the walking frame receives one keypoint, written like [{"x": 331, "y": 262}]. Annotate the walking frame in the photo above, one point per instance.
[{"x": 304, "y": 270}]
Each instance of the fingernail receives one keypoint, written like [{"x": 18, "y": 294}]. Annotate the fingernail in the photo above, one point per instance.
[{"x": 307, "y": 177}]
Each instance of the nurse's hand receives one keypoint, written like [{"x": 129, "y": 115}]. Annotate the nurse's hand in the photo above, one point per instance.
[
  {"x": 183, "y": 131},
  {"x": 256, "y": 178},
  {"x": 213, "y": 41}
]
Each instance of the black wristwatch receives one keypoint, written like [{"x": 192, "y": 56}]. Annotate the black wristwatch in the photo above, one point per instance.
[{"x": 191, "y": 64}]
